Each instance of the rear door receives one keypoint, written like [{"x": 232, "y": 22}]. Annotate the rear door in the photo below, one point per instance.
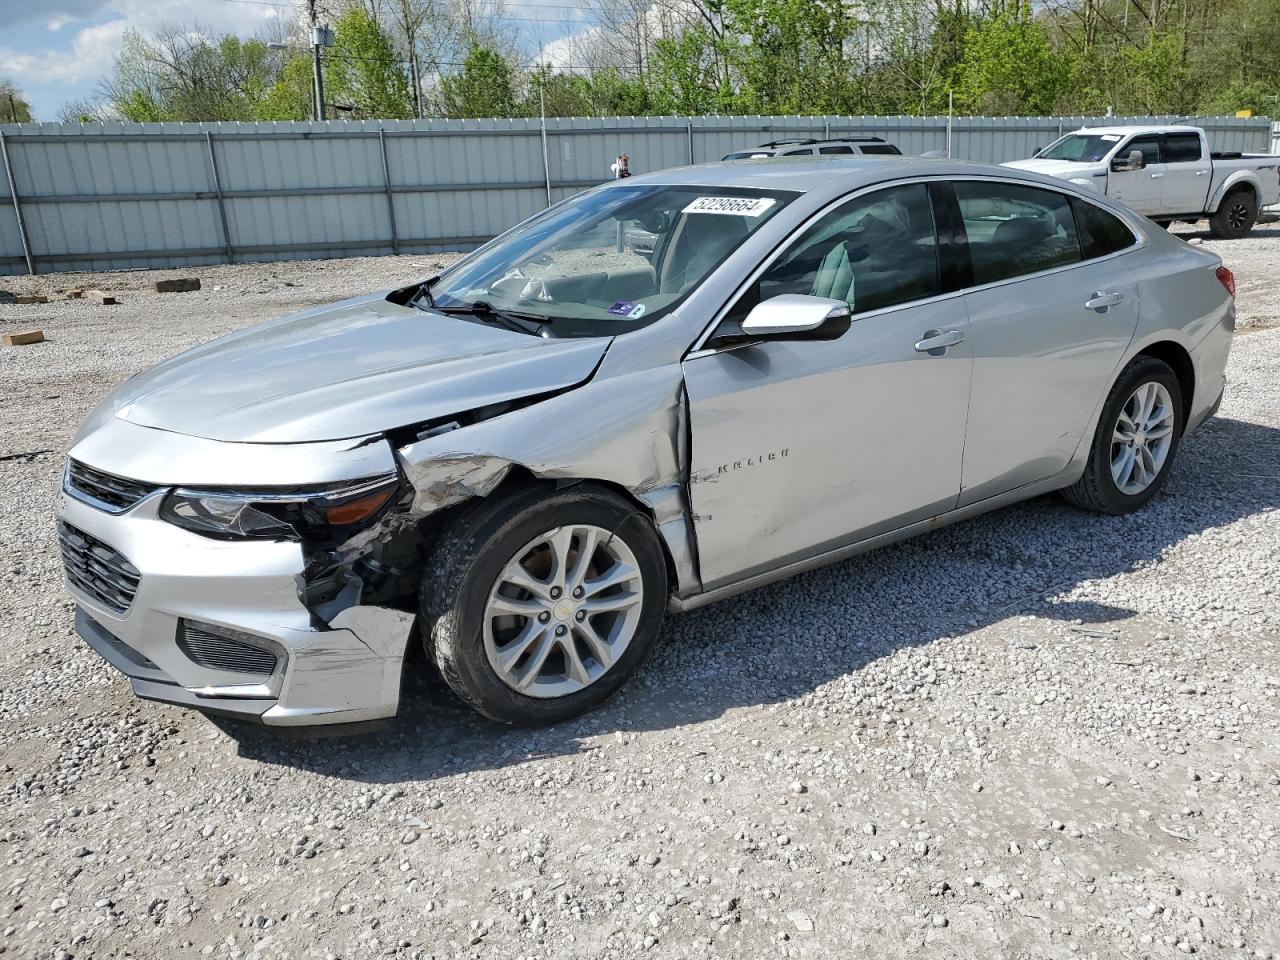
[
  {"x": 1143, "y": 190},
  {"x": 800, "y": 447},
  {"x": 1187, "y": 173},
  {"x": 1051, "y": 311}
]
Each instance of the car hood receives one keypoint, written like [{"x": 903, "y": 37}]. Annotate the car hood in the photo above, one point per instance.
[
  {"x": 1063, "y": 169},
  {"x": 351, "y": 369}
]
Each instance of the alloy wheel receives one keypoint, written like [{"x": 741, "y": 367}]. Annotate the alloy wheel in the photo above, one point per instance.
[
  {"x": 562, "y": 611},
  {"x": 1142, "y": 437},
  {"x": 1238, "y": 215}
]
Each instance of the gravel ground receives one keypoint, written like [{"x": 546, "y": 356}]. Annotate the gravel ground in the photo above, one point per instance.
[{"x": 1036, "y": 734}]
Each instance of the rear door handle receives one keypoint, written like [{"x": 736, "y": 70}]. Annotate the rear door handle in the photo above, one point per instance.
[
  {"x": 1101, "y": 301},
  {"x": 935, "y": 342}
]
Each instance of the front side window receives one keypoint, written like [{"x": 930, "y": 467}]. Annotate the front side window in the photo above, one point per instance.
[
  {"x": 1101, "y": 233},
  {"x": 606, "y": 261},
  {"x": 806, "y": 152},
  {"x": 885, "y": 149},
  {"x": 1182, "y": 148},
  {"x": 874, "y": 251},
  {"x": 1149, "y": 147},
  {"x": 1015, "y": 230}
]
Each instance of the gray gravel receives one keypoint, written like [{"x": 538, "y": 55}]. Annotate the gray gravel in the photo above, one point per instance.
[{"x": 1036, "y": 734}]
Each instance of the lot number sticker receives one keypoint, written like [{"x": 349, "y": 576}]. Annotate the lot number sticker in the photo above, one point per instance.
[{"x": 734, "y": 206}]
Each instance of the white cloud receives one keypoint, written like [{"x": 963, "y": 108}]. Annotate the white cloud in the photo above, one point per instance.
[
  {"x": 68, "y": 65},
  {"x": 90, "y": 56}
]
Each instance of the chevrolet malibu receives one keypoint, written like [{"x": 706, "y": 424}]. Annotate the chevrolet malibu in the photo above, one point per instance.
[{"x": 651, "y": 396}]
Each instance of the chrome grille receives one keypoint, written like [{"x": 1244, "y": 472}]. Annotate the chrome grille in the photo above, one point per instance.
[
  {"x": 105, "y": 490},
  {"x": 98, "y": 570},
  {"x": 218, "y": 652}
]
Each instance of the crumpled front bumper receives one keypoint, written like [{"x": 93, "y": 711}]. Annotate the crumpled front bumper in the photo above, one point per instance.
[{"x": 346, "y": 673}]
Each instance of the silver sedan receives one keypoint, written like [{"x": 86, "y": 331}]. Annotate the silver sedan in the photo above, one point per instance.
[{"x": 654, "y": 395}]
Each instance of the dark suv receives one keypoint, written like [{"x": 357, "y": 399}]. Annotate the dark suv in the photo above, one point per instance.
[{"x": 847, "y": 146}]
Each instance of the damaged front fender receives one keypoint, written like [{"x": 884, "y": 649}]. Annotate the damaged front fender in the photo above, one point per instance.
[{"x": 629, "y": 430}]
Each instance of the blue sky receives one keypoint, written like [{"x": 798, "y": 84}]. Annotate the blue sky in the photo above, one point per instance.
[{"x": 56, "y": 50}]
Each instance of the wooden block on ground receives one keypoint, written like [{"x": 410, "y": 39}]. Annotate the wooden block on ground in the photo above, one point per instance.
[
  {"x": 23, "y": 338},
  {"x": 178, "y": 285},
  {"x": 103, "y": 298},
  {"x": 31, "y": 298}
]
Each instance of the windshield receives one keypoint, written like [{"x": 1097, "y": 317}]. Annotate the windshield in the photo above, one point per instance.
[
  {"x": 1080, "y": 148},
  {"x": 609, "y": 260}
]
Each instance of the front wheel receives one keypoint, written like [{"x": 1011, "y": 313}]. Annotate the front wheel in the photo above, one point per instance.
[
  {"x": 1136, "y": 441},
  {"x": 1236, "y": 215},
  {"x": 538, "y": 606}
]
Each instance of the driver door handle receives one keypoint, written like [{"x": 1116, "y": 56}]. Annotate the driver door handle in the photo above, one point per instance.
[
  {"x": 935, "y": 342},
  {"x": 1156, "y": 176},
  {"x": 1101, "y": 301}
]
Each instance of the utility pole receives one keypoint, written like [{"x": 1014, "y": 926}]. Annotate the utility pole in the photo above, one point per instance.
[
  {"x": 317, "y": 41},
  {"x": 417, "y": 82}
]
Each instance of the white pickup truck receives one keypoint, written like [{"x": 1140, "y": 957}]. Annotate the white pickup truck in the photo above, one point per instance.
[{"x": 1166, "y": 173}]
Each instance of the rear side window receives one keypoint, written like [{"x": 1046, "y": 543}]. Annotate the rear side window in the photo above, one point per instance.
[
  {"x": 1181, "y": 148},
  {"x": 881, "y": 148},
  {"x": 836, "y": 149},
  {"x": 1015, "y": 230},
  {"x": 1101, "y": 233}
]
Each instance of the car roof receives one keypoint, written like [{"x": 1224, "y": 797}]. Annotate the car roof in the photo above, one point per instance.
[
  {"x": 1125, "y": 131},
  {"x": 817, "y": 174}
]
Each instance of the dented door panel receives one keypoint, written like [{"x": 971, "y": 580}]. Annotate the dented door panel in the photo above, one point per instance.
[{"x": 800, "y": 447}]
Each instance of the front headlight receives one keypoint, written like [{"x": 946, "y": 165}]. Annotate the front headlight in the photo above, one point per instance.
[{"x": 278, "y": 515}]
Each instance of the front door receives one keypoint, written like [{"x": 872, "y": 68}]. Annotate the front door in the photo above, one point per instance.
[
  {"x": 1142, "y": 190},
  {"x": 800, "y": 447}
]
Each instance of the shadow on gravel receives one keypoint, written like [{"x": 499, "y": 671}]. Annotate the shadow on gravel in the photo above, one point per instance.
[
  {"x": 788, "y": 640},
  {"x": 1260, "y": 232}
]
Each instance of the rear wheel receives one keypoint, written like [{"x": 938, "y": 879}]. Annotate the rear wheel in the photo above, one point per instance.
[
  {"x": 540, "y": 605},
  {"x": 1136, "y": 441},
  {"x": 1236, "y": 215}
]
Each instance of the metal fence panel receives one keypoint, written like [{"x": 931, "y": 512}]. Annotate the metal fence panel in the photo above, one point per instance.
[{"x": 118, "y": 195}]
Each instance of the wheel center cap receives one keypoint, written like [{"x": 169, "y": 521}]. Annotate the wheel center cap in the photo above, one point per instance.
[{"x": 563, "y": 610}]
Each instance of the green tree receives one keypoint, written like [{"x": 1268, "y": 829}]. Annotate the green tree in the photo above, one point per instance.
[
  {"x": 13, "y": 107},
  {"x": 1010, "y": 67},
  {"x": 180, "y": 74},
  {"x": 683, "y": 76},
  {"x": 292, "y": 96},
  {"x": 484, "y": 88},
  {"x": 364, "y": 71}
]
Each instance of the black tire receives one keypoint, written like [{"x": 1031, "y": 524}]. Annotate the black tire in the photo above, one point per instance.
[
  {"x": 1236, "y": 215},
  {"x": 467, "y": 559},
  {"x": 1097, "y": 490}
]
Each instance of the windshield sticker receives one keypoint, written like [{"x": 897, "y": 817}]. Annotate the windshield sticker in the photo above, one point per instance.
[
  {"x": 1110, "y": 137},
  {"x": 628, "y": 309},
  {"x": 734, "y": 206}
]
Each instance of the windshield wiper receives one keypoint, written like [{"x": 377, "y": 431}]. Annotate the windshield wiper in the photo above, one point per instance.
[
  {"x": 512, "y": 320},
  {"x": 424, "y": 293}
]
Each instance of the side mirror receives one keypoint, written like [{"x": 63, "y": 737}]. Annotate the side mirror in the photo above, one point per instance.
[
  {"x": 1136, "y": 160},
  {"x": 1036, "y": 152},
  {"x": 794, "y": 316}
]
